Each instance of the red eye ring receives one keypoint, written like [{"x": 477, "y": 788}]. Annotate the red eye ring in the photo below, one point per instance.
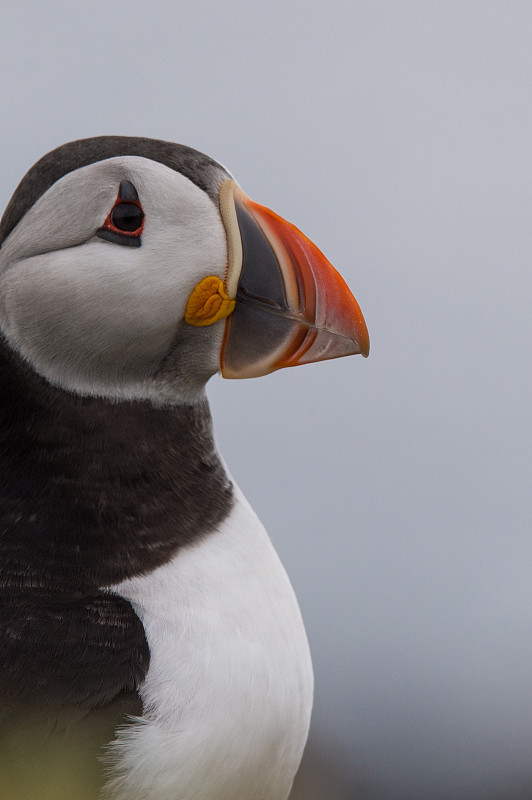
[
  {"x": 125, "y": 221},
  {"x": 125, "y": 218}
]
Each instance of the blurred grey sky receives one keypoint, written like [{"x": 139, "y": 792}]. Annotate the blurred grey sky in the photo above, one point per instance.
[{"x": 398, "y": 136}]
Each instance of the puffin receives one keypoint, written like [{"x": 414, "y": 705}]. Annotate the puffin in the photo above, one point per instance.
[{"x": 145, "y": 616}]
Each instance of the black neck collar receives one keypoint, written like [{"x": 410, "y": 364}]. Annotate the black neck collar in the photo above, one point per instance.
[{"x": 93, "y": 492}]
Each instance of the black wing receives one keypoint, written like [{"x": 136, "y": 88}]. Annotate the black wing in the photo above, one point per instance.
[{"x": 70, "y": 666}]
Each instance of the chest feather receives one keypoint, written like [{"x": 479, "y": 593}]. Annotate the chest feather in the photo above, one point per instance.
[{"x": 228, "y": 693}]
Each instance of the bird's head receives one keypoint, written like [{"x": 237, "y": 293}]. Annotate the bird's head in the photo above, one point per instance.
[{"x": 135, "y": 269}]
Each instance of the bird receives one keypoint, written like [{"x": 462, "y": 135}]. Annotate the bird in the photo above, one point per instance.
[{"x": 141, "y": 598}]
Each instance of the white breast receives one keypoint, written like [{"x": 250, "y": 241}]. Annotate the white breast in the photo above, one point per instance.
[{"x": 228, "y": 695}]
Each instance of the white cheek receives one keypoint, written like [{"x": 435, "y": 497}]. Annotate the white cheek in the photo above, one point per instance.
[
  {"x": 98, "y": 317},
  {"x": 68, "y": 307},
  {"x": 104, "y": 312}
]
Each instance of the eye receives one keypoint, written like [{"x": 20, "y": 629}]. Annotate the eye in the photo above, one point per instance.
[
  {"x": 125, "y": 221},
  {"x": 127, "y": 217}
]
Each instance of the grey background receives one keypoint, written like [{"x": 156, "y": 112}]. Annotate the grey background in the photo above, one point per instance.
[{"x": 397, "y": 490}]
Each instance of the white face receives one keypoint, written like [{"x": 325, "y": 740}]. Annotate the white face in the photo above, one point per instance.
[{"x": 100, "y": 318}]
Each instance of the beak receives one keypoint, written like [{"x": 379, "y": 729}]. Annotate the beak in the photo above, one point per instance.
[{"x": 292, "y": 307}]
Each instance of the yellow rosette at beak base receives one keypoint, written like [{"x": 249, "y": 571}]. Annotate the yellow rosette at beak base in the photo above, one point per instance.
[{"x": 208, "y": 302}]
